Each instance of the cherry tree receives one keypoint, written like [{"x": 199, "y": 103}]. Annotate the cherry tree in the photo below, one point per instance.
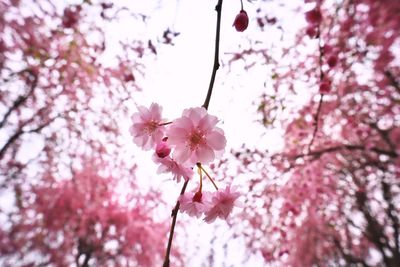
[
  {"x": 85, "y": 220},
  {"x": 63, "y": 154},
  {"x": 330, "y": 196}
]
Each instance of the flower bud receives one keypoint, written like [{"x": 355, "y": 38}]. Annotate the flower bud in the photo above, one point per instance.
[
  {"x": 163, "y": 149},
  {"x": 325, "y": 87},
  {"x": 314, "y": 16},
  {"x": 197, "y": 197},
  {"x": 332, "y": 61},
  {"x": 241, "y": 21},
  {"x": 311, "y": 31}
]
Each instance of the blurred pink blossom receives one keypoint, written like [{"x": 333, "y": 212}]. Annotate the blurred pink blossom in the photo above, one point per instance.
[
  {"x": 146, "y": 128},
  {"x": 222, "y": 204},
  {"x": 167, "y": 164}
]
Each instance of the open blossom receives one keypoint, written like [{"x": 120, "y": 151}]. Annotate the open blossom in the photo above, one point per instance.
[
  {"x": 194, "y": 204},
  {"x": 195, "y": 137},
  {"x": 222, "y": 204},
  {"x": 146, "y": 129},
  {"x": 167, "y": 164}
]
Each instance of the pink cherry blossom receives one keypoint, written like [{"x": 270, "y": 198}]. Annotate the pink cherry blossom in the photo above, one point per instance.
[
  {"x": 195, "y": 137},
  {"x": 194, "y": 204},
  {"x": 167, "y": 164},
  {"x": 146, "y": 128},
  {"x": 222, "y": 204}
]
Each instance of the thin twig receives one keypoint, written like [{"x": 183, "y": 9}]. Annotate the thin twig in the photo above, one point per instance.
[
  {"x": 171, "y": 233},
  {"x": 21, "y": 99},
  {"x": 218, "y": 8},
  {"x": 321, "y": 78}
]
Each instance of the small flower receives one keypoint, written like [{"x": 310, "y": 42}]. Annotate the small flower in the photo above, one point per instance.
[
  {"x": 195, "y": 137},
  {"x": 163, "y": 149},
  {"x": 194, "y": 204},
  {"x": 222, "y": 204},
  {"x": 146, "y": 129},
  {"x": 167, "y": 164},
  {"x": 241, "y": 21}
]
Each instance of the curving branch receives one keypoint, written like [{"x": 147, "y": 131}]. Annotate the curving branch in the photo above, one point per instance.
[
  {"x": 318, "y": 153},
  {"x": 21, "y": 99}
]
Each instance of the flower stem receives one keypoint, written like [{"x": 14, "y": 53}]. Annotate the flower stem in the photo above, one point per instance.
[
  {"x": 209, "y": 177},
  {"x": 165, "y": 123},
  {"x": 201, "y": 179},
  {"x": 218, "y": 8},
  {"x": 174, "y": 215}
]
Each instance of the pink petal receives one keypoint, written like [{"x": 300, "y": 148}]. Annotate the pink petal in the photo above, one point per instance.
[
  {"x": 216, "y": 140},
  {"x": 182, "y": 154},
  {"x": 205, "y": 154},
  {"x": 207, "y": 123},
  {"x": 177, "y": 136}
]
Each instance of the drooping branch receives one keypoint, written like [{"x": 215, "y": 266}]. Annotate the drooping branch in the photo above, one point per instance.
[
  {"x": 218, "y": 8},
  {"x": 321, "y": 78}
]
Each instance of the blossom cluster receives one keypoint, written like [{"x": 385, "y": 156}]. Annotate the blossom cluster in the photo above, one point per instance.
[{"x": 183, "y": 144}]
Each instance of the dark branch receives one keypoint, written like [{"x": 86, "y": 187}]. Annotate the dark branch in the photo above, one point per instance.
[
  {"x": 21, "y": 99},
  {"x": 319, "y": 153},
  {"x": 391, "y": 210},
  {"x": 218, "y": 8},
  {"x": 321, "y": 78},
  {"x": 393, "y": 80},
  {"x": 174, "y": 215}
]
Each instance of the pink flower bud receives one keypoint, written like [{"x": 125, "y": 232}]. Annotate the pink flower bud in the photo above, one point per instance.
[
  {"x": 71, "y": 16},
  {"x": 241, "y": 21},
  {"x": 332, "y": 61},
  {"x": 325, "y": 87},
  {"x": 163, "y": 149},
  {"x": 313, "y": 16},
  {"x": 197, "y": 197},
  {"x": 311, "y": 31}
]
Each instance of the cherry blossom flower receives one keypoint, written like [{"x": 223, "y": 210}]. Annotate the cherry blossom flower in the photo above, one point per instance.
[
  {"x": 146, "y": 128},
  {"x": 167, "y": 164},
  {"x": 195, "y": 204},
  {"x": 195, "y": 137},
  {"x": 222, "y": 204}
]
